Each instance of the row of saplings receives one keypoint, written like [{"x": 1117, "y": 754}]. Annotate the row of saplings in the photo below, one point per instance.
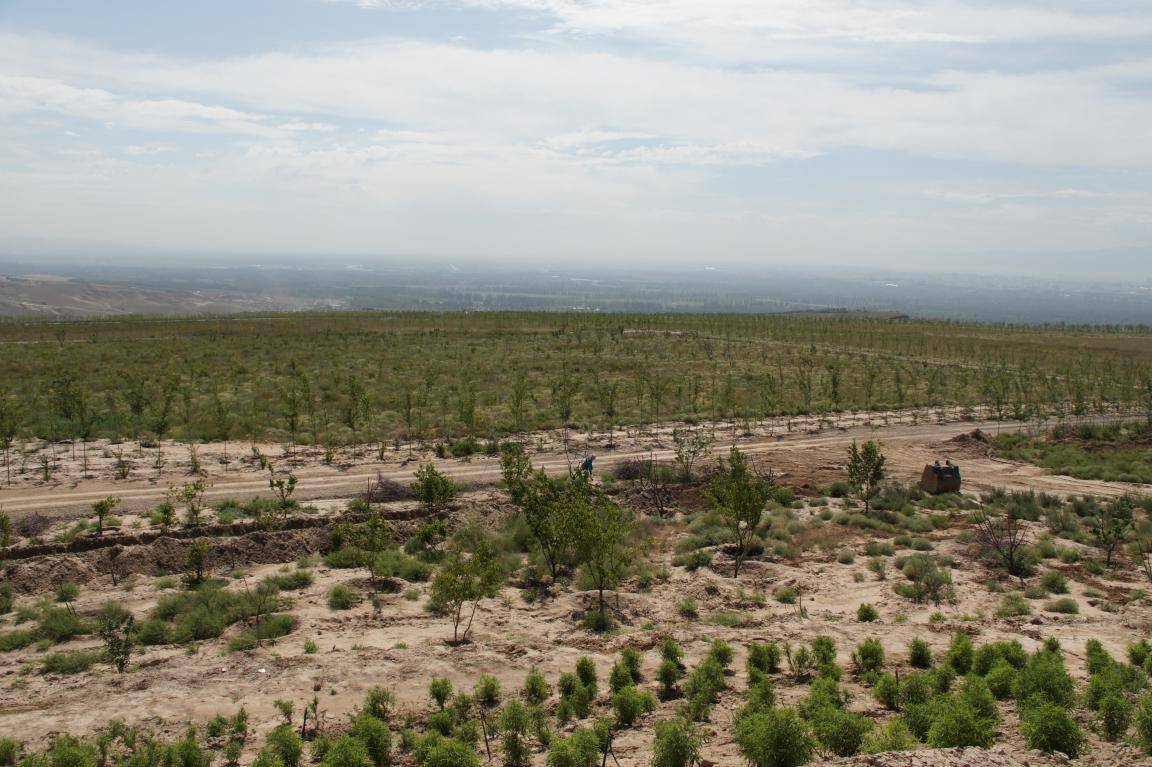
[{"x": 952, "y": 703}]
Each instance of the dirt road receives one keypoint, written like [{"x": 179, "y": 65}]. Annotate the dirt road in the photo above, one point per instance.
[{"x": 813, "y": 457}]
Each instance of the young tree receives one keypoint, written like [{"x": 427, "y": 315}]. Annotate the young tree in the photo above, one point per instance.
[
  {"x": 355, "y": 408},
  {"x": 518, "y": 400},
  {"x": 116, "y": 631},
  {"x": 222, "y": 420},
  {"x": 600, "y": 532},
  {"x": 1006, "y": 536},
  {"x": 865, "y": 471},
  {"x": 102, "y": 509},
  {"x": 691, "y": 446},
  {"x": 740, "y": 495},
  {"x": 432, "y": 488},
  {"x": 538, "y": 497},
  {"x": 466, "y": 578},
  {"x": 161, "y": 417},
  {"x": 11, "y": 416},
  {"x": 1113, "y": 526}
]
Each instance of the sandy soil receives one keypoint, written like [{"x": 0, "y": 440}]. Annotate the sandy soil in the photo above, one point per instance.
[{"x": 399, "y": 644}]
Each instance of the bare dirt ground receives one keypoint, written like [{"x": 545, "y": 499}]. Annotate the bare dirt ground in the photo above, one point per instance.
[
  {"x": 397, "y": 643},
  {"x": 803, "y": 451}
]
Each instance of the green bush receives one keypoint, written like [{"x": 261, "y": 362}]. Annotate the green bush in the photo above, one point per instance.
[
  {"x": 957, "y": 725},
  {"x": 887, "y": 692},
  {"x": 721, "y": 652},
  {"x": 286, "y": 744},
  {"x": 919, "y": 653},
  {"x": 580, "y": 749},
  {"x": 763, "y": 658},
  {"x": 868, "y": 656},
  {"x": 340, "y": 597},
  {"x": 487, "y": 691},
  {"x": 1013, "y": 605},
  {"x": 1044, "y": 675},
  {"x": 976, "y": 694},
  {"x": 774, "y": 738},
  {"x": 536, "y": 688},
  {"x": 394, "y": 563},
  {"x": 16, "y": 640},
  {"x": 1115, "y": 717},
  {"x": 9, "y": 752},
  {"x": 1048, "y": 727},
  {"x": 346, "y": 751},
  {"x": 1143, "y": 721},
  {"x": 676, "y": 744},
  {"x": 630, "y": 704},
  {"x": 839, "y": 731},
  {"x": 960, "y": 653},
  {"x": 293, "y": 581},
  {"x": 69, "y": 662},
  {"x": 1001, "y": 680},
  {"x": 379, "y": 702},
  {"x": 824, "y": 650},
  {"x": 152, "y": 631},
  {"x": 786, "y": 595},
  {"x": 1054, "y": 582},
  {"x": 375, "y": 737},
  {"x": 630, "y": 659},
  {"x": 1067, "y": 606},
  {"x": 866, "y": 613},
  {"x": 59, "y": 624},
  {"x": 992, "y": 653},
  {"x": 894, "y": 736}
]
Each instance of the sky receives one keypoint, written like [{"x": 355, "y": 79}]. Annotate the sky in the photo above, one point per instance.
[{"x": 989, "y": 133}]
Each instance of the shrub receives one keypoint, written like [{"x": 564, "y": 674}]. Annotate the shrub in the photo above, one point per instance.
[
  {"x": 676, "y": 744},
  {"x": 895, "y": 736},
  {"x": 687, "y": 608},
  {"x": 868, "y": 656},
  {"x": 993, "y": 653},
  {"x": 630, "y": 704},
  {"x": 15, "y": 640},
  {"x": 487, "y": 692},
  {"x": 668, "y": 674},
  {"x": 1139, "y": 652},
  {"x": 440, "y": 690},
  {"x": 1013, "y": 605},
  {"x": 346, "y": 751},
  {"x": 786, "y": 595},
  {"x": 1048, "y": 727},
  {"x": 69, "y": 662},
  {"x": 1115, "y": 717},
  {"x": 774, "y": 738},
  {"x": 580, "y": 749},
  {"x": 866, "y": 613},
  {"x": 1001, "y": 680},
  {"x": 960, "y": 653},
  {"x": 693, "y": 560},
  {"x": 977, "y": 695},
  {"x": 839, "y": 731},
  {"x": 449, "y": 752},
  {"x": 432, "y": 488},
  {"x": 536, "y": 688},
  {"x": 394, "y": 563},
  {"x": 286, "y": 744},
  {"x": 763, "y": 658},
  {"x": 956, "y": 725},
  {"x": 59, "y": 624},
  {"x": 152, "y": 631},
  {"x": 9, "y": 752},
  {"x": 721, "y": 652},
  {"x": 824, "y": 650},
  {"x": 379, "y": 702},
  {"x": 340, "y": 597},
  {"x": 375, "y": 736},
  {"x": 630, "y": 661},
  {"x": 1067, "y": 606},
  {"x": 919, "y": 653},
  {"x": 1054, "y": 582},
  {"x": 887, "y": 692},
  {"x": 293, "y": 581},
  {"x": 1045, "y": 676},
  {"x": 761, "y": 695},
  {"x": 586, "y": 673}
]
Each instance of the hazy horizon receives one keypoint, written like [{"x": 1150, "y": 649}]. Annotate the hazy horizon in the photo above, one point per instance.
[{"x": 968, "y": 136}]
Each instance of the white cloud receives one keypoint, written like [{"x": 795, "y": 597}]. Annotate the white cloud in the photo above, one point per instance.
[{"x": 615, "y": 128}]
